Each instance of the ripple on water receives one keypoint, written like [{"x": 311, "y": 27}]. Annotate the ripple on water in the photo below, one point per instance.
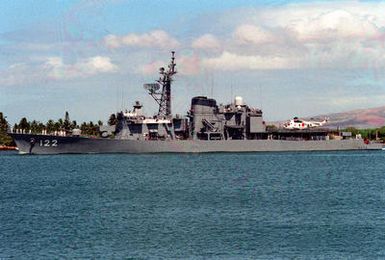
[{"x": 252, "y": 205}]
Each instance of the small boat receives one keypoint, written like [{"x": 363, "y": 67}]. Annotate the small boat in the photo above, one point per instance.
[{"x": 7, "y": 148}]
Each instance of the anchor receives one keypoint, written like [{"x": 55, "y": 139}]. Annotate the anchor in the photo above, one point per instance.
[{"x": 32, "y": 144}]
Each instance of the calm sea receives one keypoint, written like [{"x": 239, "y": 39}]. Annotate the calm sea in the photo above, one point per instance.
[{"x": 324, "y": 205}]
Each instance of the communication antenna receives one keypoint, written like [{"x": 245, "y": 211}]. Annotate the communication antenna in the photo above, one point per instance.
[
  {"x": 117, "y": 98},
  {"x": 121, "y": 98},
  {"x": 163, "y": 97},
  {"x": 212, "y": 86}
]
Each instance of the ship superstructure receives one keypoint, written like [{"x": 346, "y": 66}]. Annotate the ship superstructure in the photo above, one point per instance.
[{"x": 206, "y": 120}]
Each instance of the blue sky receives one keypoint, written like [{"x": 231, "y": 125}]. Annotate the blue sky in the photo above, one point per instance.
[
  {"x": 291, "y": 58},
  {"x": 116, "y": 16}
]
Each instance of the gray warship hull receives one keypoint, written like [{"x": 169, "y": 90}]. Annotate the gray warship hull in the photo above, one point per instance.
[
  {"x": 207, "y": 127},
  {"x": 47, "y": 144}
]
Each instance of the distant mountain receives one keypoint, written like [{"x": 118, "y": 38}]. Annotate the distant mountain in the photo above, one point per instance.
[{"x": 360, "y": 118}]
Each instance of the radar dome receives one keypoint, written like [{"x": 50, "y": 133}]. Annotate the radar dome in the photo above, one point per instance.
[{"x": 238, "y": 101}]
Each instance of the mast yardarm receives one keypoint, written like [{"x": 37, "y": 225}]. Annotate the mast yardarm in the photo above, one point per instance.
[{"x": 163, "y": 97}]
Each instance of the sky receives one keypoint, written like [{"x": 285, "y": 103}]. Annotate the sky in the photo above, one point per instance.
[{"x": 92, "y": 57}]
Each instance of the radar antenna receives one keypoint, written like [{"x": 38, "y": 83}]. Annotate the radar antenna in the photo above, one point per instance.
[{"x": 163, "y": 97}]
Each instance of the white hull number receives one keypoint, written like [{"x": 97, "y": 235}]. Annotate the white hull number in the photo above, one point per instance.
[{"x": 48, "y": 143}]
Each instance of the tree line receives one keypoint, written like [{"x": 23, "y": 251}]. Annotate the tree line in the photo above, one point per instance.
[
  {"x": 367, "y": 133},
  {"x": 52, "y": 126},
  {"x": 4, "y": 127}
]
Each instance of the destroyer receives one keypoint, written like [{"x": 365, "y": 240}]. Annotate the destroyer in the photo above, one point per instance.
[{"x": 207, "y": 127}]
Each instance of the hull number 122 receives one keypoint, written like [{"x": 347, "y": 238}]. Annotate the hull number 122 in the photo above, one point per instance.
[{"x": 48, "y": 143}]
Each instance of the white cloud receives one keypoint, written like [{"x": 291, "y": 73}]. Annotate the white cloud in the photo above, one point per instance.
[
  {"x": 112, "y": 41},
  {"x": 83, "y": 68},
  {"x": 189, "y": 65},
  {"x": 16, "y": 74},
  {"x": 253, "y": 34},
  {"x": 100, "y": 64},
  {"x": 151, "y": 68},
  {"x": 53, "y": 68},
  {"x": 335, "y": 25},
  {"x": 231, "y": 61},
  {"x": 206, "y": 41},
  {"x": 319, "y": 35},
  {"x": 154, "y": 39}
]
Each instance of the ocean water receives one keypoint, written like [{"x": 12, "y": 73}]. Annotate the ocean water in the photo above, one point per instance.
[{"x": 315, "y": 205}]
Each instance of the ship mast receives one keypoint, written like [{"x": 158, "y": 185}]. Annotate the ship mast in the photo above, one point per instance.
[{"x": 163, "y": 97}]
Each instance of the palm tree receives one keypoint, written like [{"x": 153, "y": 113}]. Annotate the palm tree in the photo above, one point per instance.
[
  {"x": 5, "y": 139},
  {"x": 50, "y": 126},
  {"x": 24, "y": 124},
  {"x": 84, "y": 128},
  {"x": 34, "y": 127},
  {"x": 67, "y": 117},
  {"x": 74, "y": 124},
  {"x": 67, "y": 122},
  {"x": 57, "y": 126},
  {"x": 60, "y": 124},
  {"x": 3, "y": 123},
  {"x": 41, "y": 127}
]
